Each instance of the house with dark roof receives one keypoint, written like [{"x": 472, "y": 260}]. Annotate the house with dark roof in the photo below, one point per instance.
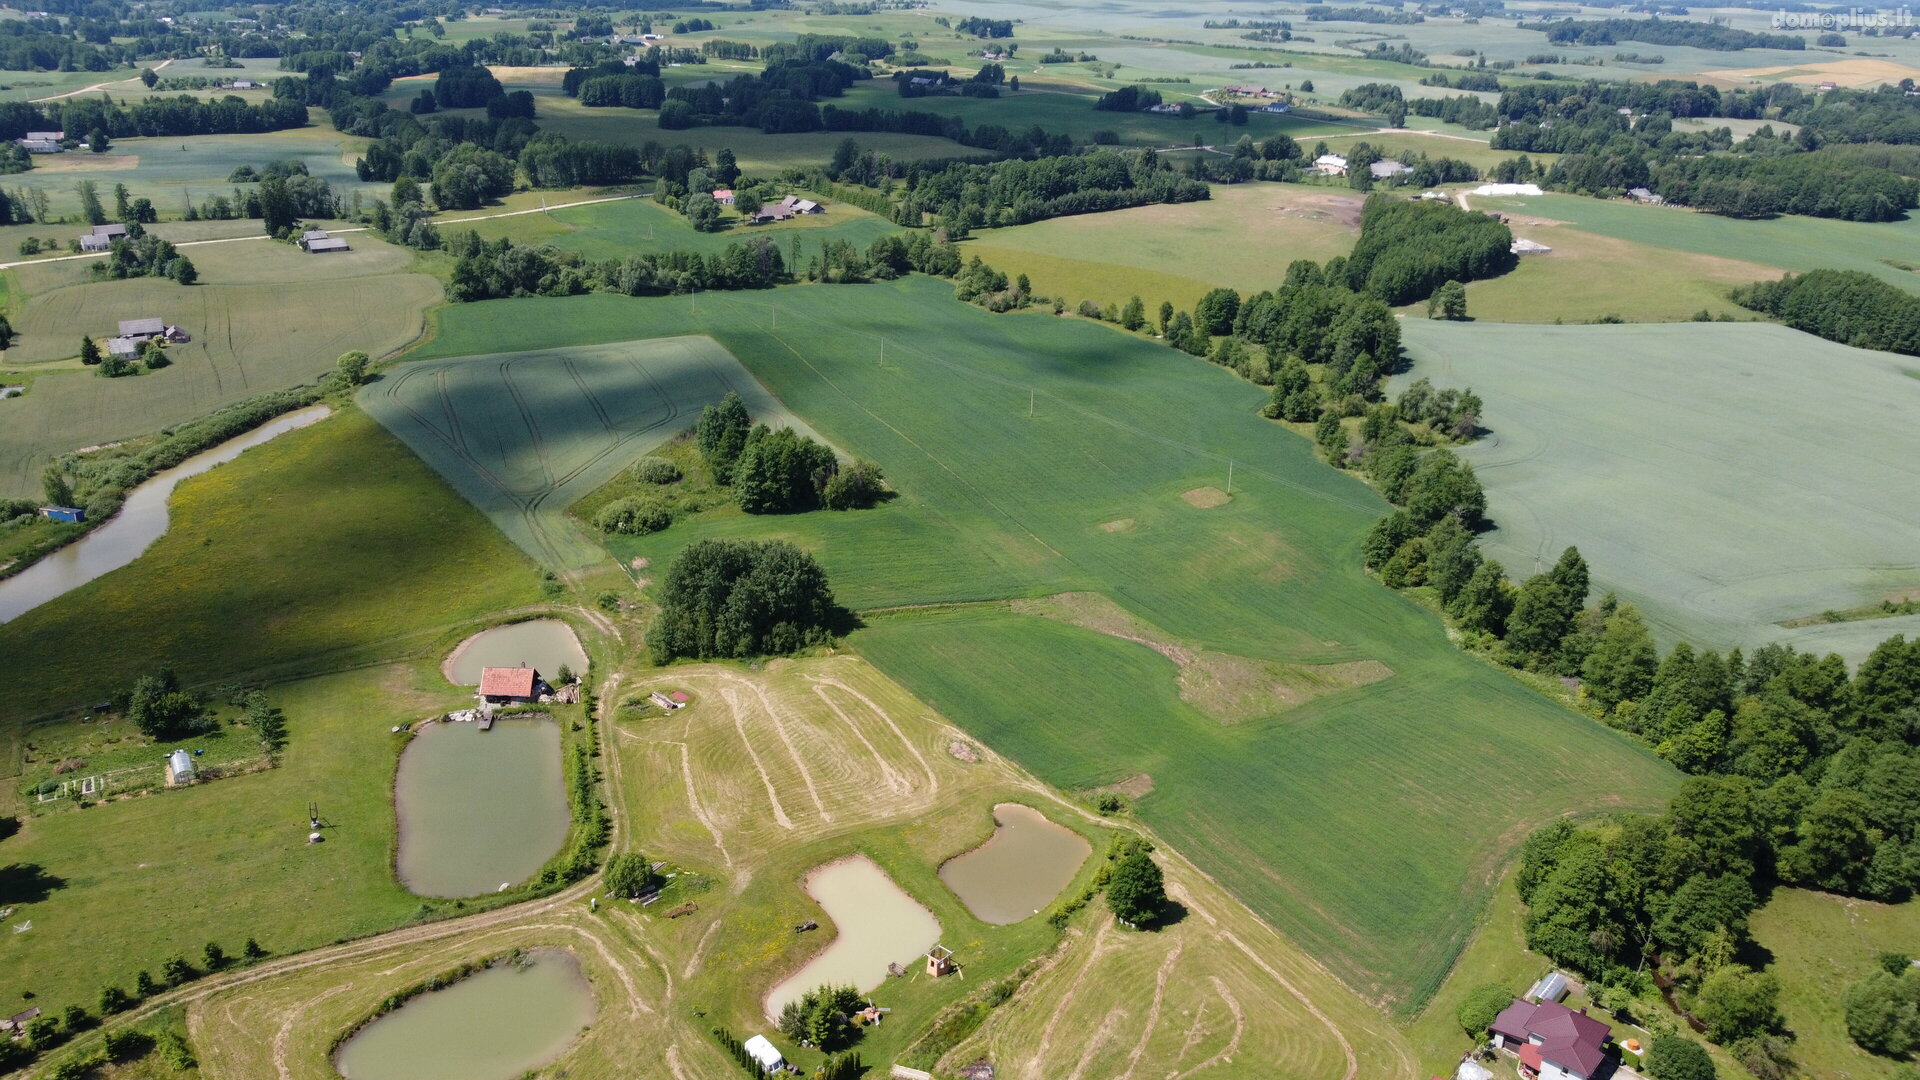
[
  {"x": 142, "y": 329},
  {"x": 509, "y": 684},
  {"x": 1552, "y": 1041}
]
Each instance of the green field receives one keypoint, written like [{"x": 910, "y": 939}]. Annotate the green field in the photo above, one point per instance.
[
  {"x": 620, "y": 230},
  {"x": 1790, "y": 243},
  {"x": 1821, "y": 944},
  {"x": 1243, "y": 238},
  {"x": 265, "y": 316},
  {"x": 327, "y": 547},
  {"x": 1345, "y": 825},
  {"x": 170, "y": 168},
  {"x": 1723, "y": 477},
  {"x": 525, "y": 435}
]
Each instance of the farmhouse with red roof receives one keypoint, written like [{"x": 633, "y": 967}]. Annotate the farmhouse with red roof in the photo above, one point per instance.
[
  {"x": 505, "y": 684},
  {"x": 1552, "y": 1041}
]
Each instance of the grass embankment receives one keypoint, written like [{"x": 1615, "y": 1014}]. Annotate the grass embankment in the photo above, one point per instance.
[
  {"x": 248, "y": 338},
  {"x": 1713, "y": 547},
  {"x": 1385, "y": 853}
]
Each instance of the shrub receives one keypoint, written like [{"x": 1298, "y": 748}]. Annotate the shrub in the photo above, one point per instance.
[
  {"x": 1481, "y": 1005},
  {"x": 655, "y": 470},
  {"x": 634, "y": 517},
  {"x": 857, "y": 487},
  {"x": 1671, "y": 1057}
]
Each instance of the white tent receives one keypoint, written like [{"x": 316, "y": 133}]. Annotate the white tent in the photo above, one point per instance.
[
  {"x": 1469, "y": 1070},
  {"x": 1507, "y": 189},
  {"x": 764, "y": 1053}
]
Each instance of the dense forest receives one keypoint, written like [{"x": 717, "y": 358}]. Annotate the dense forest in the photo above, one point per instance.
[
  {"x": 1407, "y": 249},
  {"x": 965, "y": 197},
  {"x": 1847, "y": 306},
  {"x": 1657, "y": 31}
]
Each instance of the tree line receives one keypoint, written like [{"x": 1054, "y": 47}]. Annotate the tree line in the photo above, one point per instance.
[
  {"x": 1848, "y": 306},
  {"x": 1658, "y": 31}
]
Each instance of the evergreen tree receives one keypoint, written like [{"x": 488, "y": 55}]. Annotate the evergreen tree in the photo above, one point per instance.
[
  {"x": 721, "y": 433},
  {"x": 89, "y": 352},
  {"x": 54, "y": 484}
]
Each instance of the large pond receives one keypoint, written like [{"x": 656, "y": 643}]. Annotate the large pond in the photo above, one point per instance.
[
  {"x": 878, "y": 924},
  {"x": 1019, "y": 871},
  {"x": 141, "y": 521},
  {"x": 541, "y": 644},
  {"x": 496, "y": 1025},
  {"x": 479, "y": 809}
]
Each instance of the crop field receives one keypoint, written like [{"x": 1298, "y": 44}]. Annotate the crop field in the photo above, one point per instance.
[
  {"x": 524, "y": 435},
  {"x": 1472, "y": 149},
  {"x": 1100, "y": 490},
  {"x": 251, "y": 581},
  {"x": 247, "y": 338},
  {"x": 1789, "y": 243},
  {"x": 1243, "y": 238},
  {"x": 620, "y": 230},
  {"x": 1587, "y": 276},
  {"x": 765, "y": 776},
  {"x": 168, "y": 169},
  {"x": 1725, "y": 477}
]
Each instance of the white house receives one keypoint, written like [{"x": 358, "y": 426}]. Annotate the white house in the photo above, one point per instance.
[{"x": 1330, "y": 165}]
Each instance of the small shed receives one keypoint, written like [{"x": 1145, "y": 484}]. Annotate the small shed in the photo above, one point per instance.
[
  {"x": 40, "y": 146},
  {"x": 765, "y": 1054},
  {"x": 142, "y": 329},
  {"x": 506, "y": 684},
  {"x": 807, "y": 206},
  {"x": 179, "y": 767},
  {"x": 939, "y": 961},
  {"x": 330, "y": 243},
  {"x": 72, "y": 515}
]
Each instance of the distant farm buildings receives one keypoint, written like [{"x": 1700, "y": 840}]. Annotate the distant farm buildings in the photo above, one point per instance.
[
  {"x": 100, "y": 237},
  {"x": 507, "y": 685},
  {"x": 42, "y": 142},
  {"x": 317, "y": 241},
  {"x": 723, "y": 196},
  {"x": 788, "y": 207},
  {"x": 1330, "y": 165},
  {"x": 143, "y": 330},
  {"x": 1387, "y": 170},
  {"x": 1641, "y": 194}
]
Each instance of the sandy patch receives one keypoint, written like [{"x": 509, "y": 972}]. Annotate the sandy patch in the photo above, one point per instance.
[
  {"x": 1137, "y": 786},
  {"x": 1858, "y": 71},
  {"x": 1118, "y": 525},
  {"x": 966, "y": 752},
  {"x": 1228, "y": 687},
  {"x": 1206, "y": 498},
  {"x": 638, "y": 564}
]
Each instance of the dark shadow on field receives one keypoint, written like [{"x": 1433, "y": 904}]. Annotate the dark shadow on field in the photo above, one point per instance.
[
  {"x": 1170, "y": 915},
  {"x": 27, "y": 883},
  {"x": 842, "y": 621},
  {"x": 8, "y": 826}
]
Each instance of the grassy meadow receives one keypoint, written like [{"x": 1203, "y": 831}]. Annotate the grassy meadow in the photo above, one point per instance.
[
  {"x": 253, "y": 582},
  {"x": 1725, "y": 477},
  {"x": 1102, "y": 489},
  {"x": 1821, "y": 944},
  {"x": 247, "y": 339},
  {"x": 620, "y": 230},
  {"x": 525, "y": 435}
]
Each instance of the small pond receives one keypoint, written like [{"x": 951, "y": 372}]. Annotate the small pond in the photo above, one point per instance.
[
  {"x": 141, "y": 521},
  {"x": 1019, "y": 871},
  {"x": 479, "y": 809},
  {"x": 878, "y": 924},
  {"x": 541, "y": 644},
  {"x": 496, "y": 1025}
]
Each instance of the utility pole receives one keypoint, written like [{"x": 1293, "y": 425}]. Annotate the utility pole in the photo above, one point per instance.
[
  {"x": 1229, "y": 476},
  {"x": 1029, "y": 404}
]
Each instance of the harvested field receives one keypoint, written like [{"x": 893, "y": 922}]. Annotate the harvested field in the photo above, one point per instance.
[{"x": 1850, "y": 72}]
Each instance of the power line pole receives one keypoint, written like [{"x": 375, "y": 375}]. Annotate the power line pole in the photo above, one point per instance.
[
  {"x": 1229, "y": 476},
  {"x": 1029, "y": 403}
]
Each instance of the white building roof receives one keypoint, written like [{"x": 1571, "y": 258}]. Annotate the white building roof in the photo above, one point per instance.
[
  {"x": 1333, "y": 161},
  {"x": 1531, "y": 247},
  {"x": 1507, "y": 189},
  {"x": 763, "y": 1052}
]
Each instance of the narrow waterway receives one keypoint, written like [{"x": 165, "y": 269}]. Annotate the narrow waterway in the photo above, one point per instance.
[{"x": 141, "y": 521}]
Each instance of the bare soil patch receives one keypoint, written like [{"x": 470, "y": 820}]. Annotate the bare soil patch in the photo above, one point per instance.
[
  {"x": 1226, "y": 686},
  {"x": 1137, "y": 786},
  {"x": 1117, "y": 525},
  {"x": 1206, "y": 498},
  {"x": 966, "y": 752}
]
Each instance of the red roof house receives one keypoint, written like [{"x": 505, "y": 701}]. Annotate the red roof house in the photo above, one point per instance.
[
  {"x": 1552, "y": 1041},
  {"x": 509, "y": 683}
]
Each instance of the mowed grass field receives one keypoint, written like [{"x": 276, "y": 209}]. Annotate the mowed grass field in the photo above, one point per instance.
[
  {"x": 1587, "y": 276},
  {"x": 264, "y": 317},
  {"x": 1788, "y": 243},
  {"x": 629, "y": 227},
  {"x": 1725, "y": 477},
  {"x": 327, "y": 547},
  {"x": 1822, "y": 944},
  {"x": 1343, "y": 821},
  {"x": 1242, "y": 238},
  {"x": 524, "y": 435}
]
